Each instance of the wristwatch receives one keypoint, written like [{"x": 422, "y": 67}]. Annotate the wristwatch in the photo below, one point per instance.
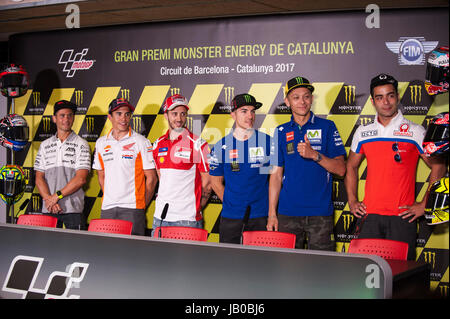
[
  {"x": 319, "y": 157},
  {"x": 60, "y": 195}
]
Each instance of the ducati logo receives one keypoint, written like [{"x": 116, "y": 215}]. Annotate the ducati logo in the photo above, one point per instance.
[
  {"x": 24, "y": 271},
  {"x": 74, "y": 61}
]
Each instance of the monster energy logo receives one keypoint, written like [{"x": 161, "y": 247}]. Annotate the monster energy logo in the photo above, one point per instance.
[
  {"x": 247, "y": 98},
  {"x": 26, "y": 173},
  {"x": 347, "y": 219},
  {"x": 189, "y": 123},
  {"x": 46, "y": 120},
  {"x": 443, "y": 290},
  {"x": 36, "y": 96},
  {"x": 36, "y": 202},
  {"x": 336, "y": 188},
  {"x": 174, "y": 91},
  {"x": 350, "y": 93},
  {"x": 90, "y": 121},
  {"x": 78, "y": 97},
  {"x": 229, "y": 94},
  {"x": 416, "y": 93},
  {"x": 299, "y": 80},
  {"x": 125, "y": 94},
  {"x": 365, "y": 120},
  {"x": 137, "y": 124},
  {"x": 430, "y": 258}
]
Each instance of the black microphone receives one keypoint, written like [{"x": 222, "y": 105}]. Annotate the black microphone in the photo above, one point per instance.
[
  {"x": 163, "y": 216},
  {"x": 245, "y": 220}
]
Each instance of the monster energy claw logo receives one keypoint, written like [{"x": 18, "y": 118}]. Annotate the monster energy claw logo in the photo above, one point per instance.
[
  {"x": 46, "y": 120},
  {"x": 125, "y": 94},
  {"x": 174, "y": 91},
  {"x": 36, "y": 98},
  {"x": 137, "y": 124},
  {"x": 299, "y": 80},
  {"x": 90, "y": 124},
  {"x": 78, "y": 97},
  {"x": 348, "y": 219},
  {"x": 443, "y": 290},
  {"x": 430, "y": 258},
  {"x": 36, "y": 202},
  {"x": 416, "y": 93},
  {"x": 350, "y": 93},
  {"x": 229, "y": 95}
]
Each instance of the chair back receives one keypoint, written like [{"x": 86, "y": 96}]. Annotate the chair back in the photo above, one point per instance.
[
  {"x": 385, "y": 248},
  {"x": 37, "y": 220},
  {"x": 111, "y": 226},
  {"x": 181, "y": 232},
  {"x": 269, "y": 239}
]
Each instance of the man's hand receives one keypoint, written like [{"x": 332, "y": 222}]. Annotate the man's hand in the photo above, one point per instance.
[
  {"x": 358, "y": 209},
  {"x": 305, "y": 150},
  {"x": 415, "y": 211},
  {"x": 51, "y": 203},
  {"x": 272, "y": 223}
]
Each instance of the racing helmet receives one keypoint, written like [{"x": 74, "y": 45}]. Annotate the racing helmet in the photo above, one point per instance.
[
  {"x": 436, "y": 137},
  {"x": 13, "y": 81},
  {"x": 14, "y": 132},
  {"x": 436, "y": 210},
  {"x": 437, "y": 76},
  {"x": 12, "y": 183}
]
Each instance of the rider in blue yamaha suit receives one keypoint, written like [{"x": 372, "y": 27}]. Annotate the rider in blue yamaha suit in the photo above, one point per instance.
[
  {"x": 309, "y": 150},
  {"x": 239, "y": 168}
]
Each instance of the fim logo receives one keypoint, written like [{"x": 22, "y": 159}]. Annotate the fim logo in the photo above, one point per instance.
[
  {"x": 24, "y": 271},
  {"x": 74, "y": 61},
  {"x": 411, "y": 50}
]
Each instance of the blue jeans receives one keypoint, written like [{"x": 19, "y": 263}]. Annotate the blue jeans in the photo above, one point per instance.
[{"x": 185, "y": 223}]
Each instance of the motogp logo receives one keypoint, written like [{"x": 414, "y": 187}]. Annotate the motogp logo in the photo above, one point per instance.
[
  {"x": 24, "y": 271},
  {"x": 74, "y": 61}
]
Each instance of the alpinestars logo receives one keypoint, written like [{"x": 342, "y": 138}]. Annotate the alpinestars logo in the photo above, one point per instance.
[
  {"x": 74, "y": 61},
  {"x": 24, "y": 271}
]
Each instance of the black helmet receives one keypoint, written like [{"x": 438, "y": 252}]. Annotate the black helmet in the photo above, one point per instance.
[
  {"x": 437, "y": 76},
  {"x": 436, "y": 137},
  {"x": 14, "y": 132},
  {"x": 13, "y": 81}
]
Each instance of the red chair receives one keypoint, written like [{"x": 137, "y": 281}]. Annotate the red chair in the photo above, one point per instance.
[
  {"x": 385, "y": 248},
  {"x": 181, "y": 232},
  {"x": 37, "y": 220},
  {"x": 268, "y": 239},
  {"x": 111, "y": 226}
]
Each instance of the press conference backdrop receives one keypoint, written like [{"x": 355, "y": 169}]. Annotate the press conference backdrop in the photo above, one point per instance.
[{"x": 210, "y": 61}]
